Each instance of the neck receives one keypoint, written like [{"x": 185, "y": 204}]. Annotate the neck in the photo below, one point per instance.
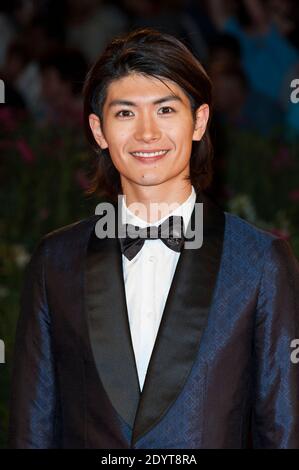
[{"x": 152, "y": 203}]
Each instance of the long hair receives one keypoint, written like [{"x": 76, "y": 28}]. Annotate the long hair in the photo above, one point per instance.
[{"x": 159, "y": 55}]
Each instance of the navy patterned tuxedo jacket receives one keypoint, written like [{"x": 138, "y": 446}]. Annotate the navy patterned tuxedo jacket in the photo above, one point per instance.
[{"x": 220, "y": 375}]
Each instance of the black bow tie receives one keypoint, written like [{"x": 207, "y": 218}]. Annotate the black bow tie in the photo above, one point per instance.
[{"x": 171, "y": 232}]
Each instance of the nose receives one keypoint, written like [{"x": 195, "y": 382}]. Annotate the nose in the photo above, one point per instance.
[{"x": 147, "y": 129}]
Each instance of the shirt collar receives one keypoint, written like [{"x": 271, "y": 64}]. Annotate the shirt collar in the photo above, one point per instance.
[{"x": 185, "y": 210}]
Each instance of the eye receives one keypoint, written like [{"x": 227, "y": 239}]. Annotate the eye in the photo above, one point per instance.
[
  {"x": 125, "y": 113},
  {"x": 168, "y": 109}
]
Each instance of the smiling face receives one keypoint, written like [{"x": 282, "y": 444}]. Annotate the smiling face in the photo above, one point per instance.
[{"x": 148, "y": 129}]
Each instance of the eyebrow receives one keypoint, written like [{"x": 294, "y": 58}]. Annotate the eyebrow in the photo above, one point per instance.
[{"x": 159, "y": 101}]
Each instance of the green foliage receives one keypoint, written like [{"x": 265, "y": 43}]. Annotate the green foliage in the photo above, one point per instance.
[{"x": 262, "y": 183}]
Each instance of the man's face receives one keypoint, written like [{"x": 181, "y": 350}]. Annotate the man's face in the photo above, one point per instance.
[{"x": 141, "y": 114}]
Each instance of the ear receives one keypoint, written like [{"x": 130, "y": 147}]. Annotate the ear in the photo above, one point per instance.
[
  {"x": 201, "y": 121},
  {"x": 95, "y": 125}
]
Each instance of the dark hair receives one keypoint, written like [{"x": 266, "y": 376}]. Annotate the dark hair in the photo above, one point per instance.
[{"x": 152, "y": 53}]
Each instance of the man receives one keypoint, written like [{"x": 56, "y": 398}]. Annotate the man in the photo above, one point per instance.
[{"x": 142, "y": 343}]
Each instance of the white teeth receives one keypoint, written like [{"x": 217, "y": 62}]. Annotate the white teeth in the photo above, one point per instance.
[{"x": 149, "y": 154}]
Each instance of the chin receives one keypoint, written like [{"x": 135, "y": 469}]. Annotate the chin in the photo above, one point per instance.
[{"x": 151, "y": 181}]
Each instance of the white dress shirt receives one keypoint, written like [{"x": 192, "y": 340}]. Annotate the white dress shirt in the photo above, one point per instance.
[{"x": 147, "y": 279}]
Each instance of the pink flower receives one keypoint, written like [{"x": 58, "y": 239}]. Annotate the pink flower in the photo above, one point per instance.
[
  {"x": 294, "y": 195},
  {"x": 25, "y": 151}
]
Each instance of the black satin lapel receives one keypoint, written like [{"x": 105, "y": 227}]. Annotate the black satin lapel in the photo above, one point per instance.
[
  {"x": 108, "y": 326},
  {"x": 183, "y": 321}
]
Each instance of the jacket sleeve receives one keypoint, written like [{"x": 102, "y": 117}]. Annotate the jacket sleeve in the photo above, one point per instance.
[
  {"x": 275, "y": 418},
  {"x": 34, "y": 420}
]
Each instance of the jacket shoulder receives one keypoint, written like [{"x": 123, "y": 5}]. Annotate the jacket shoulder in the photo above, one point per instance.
[
  {"x": 249, "y": 251},
  {"x": 249, "y": 246},
  {"x": 242, "y": 232},
  {"x": 66, "y": 238},
  {"x": 70, "y": 230}
]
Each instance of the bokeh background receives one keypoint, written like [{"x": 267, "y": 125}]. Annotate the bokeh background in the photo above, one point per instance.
[{"x": 250, "y": 49}]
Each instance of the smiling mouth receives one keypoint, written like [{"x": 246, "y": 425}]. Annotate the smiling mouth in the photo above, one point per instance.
[{"x": 153, "y": 154}]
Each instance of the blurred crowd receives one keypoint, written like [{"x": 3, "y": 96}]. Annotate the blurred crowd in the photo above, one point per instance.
[{"x": 250, "y": 49}]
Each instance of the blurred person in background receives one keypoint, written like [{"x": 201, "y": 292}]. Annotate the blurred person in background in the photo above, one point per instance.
[
  {"x": 161, "y": 14},
  {"x": 37, "y": 27},
  {"x": 63, "y": 73},
  {"x": 240, "y": 107},
  {"x": 224, "y": 49},
  {"x": 17, "y": 68},
  {"x": 12, "y": 70},
  {"x": 181, "y": 18},
  {"x": 91, "y": 24},
  {"x": 268, "y": 57},
  {"x": 285, "y": 15},
  {"x": 7, "y": 30}
]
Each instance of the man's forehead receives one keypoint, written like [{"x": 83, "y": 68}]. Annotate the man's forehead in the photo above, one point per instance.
[{"x": 143, "y": 88}]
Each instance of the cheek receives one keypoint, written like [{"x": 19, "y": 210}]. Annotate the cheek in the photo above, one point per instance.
[
  {"x": 117, "y": 146},
  {"x": 114, "y": 142},
  {"x": 116, "y": 136},
  {"x": 181, "y": 134}
]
